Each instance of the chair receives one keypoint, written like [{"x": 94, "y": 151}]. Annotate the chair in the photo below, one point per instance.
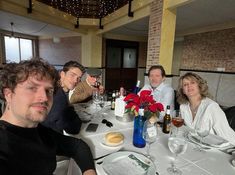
[
  {"x": 0, "y": 109},
  {"x": 230, "y": 114},
  {"x": 177, "y": 105}
]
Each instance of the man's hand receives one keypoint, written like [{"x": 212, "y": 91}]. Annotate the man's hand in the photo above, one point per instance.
[{"x": 101, "y": 89}]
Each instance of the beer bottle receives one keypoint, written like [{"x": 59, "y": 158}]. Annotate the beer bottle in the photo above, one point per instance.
[
  {"x": 113, "y": 101},
  {"x": 167, "y": 121}
]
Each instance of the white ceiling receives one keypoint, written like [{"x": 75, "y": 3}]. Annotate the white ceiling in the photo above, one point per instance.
[
  {"x": 195, "y": 15},
  {"x": 28, "y": 26}
]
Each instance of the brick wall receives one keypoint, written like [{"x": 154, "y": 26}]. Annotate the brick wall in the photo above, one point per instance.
[
  {"x": 154, "y": 34},
  {"x": 209, "y": 51},
  {"x": 69, "y": 48}
]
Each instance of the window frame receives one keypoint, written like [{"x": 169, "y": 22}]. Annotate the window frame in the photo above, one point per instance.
[{"x": 34, "y": 40}]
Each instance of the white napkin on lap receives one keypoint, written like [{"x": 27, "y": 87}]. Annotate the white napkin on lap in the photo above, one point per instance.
[{"x": 129, "y": 165}]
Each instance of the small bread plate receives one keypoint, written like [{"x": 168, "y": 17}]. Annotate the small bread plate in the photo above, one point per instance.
[
  {"x": 128, "y": 163},
  {"x": 113, "y": 144}
]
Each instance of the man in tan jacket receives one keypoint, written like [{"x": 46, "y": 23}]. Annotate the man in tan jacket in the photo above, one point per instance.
[{"x": 83, "y": 91}]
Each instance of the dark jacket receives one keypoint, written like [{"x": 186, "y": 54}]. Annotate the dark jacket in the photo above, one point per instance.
[{"x": 62, "y": 115}]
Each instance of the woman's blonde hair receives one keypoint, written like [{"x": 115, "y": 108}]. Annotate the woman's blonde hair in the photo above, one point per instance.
[{"x": 202, "y": 84}]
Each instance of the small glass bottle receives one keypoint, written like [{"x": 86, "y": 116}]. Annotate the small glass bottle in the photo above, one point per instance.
[
  {"x": 113, "y": 101},
  {"x": 137, "y": 87},
  {"x": 167, "y": 121}
]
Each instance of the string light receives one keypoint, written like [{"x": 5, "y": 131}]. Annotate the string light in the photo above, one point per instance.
[
  {"x": 12, "y": 30},
  {"x": 86, "y": 8}
]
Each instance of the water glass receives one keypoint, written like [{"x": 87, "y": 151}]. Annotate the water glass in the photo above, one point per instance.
[
  {"x": 177, "y": 145},
  {"x": 149, "y": 135}
]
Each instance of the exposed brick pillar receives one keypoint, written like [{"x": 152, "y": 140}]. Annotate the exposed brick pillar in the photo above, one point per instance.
[
  {"x": 154, "y": 35},
  {"x": 161, "y": 35}
]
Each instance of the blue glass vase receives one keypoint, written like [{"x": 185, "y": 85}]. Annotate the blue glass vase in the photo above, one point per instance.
[{"x": 138, "y": 140}]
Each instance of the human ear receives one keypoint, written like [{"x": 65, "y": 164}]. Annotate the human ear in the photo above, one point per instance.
[{"x": 7, "y": 94}]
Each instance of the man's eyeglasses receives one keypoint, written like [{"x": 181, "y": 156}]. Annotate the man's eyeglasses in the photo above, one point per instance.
[{"x": 108, "y": 123}]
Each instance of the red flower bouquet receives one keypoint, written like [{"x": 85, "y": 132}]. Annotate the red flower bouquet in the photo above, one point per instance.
[{"x": 144, "y": 100}]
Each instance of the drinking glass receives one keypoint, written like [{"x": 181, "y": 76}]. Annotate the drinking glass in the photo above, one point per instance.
[
  {"x": 102, "y": 100},
  {"x": 149, "y": 135},
  {"x": 96, "y": 98},
  {"x": 202, "y": 132},
  {"x": 177, "y": 145},
  {"x": 177, "y": 121}
]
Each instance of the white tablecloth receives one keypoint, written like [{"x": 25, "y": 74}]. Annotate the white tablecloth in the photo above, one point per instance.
[{"x": 211, "y": 162}]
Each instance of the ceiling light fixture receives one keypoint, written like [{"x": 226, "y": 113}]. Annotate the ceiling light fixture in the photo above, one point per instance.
[{"x": 12, "y": 30}]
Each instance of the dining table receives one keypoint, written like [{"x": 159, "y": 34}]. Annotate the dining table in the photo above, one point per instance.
[{"x": 210, "y": 161}]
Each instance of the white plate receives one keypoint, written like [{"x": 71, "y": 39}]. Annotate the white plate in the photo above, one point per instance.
[
  {"x": 128, "y": 163},
  {"x": 210, "y": 141}
]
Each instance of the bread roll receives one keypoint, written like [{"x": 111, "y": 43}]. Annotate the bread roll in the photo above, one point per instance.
[{"x": 113, "y": 138}]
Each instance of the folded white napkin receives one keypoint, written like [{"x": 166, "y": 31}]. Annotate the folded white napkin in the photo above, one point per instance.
[
  {"x": 119, "y": 107},
  {"x": 130, "y": 165},
  {"x": 212, "y": 140}
]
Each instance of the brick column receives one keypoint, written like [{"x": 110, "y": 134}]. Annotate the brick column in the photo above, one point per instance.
[
  {"x": 154, "y": 35},
  {"x": 161, "y": 35}
]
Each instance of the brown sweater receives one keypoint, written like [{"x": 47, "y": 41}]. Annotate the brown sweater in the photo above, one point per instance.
[{"x": 81, "y": 93}]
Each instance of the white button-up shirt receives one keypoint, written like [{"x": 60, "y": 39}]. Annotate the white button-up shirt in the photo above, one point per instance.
[
  {"x": 164, "y": 94},
  {"x": 208, "y": 111}
]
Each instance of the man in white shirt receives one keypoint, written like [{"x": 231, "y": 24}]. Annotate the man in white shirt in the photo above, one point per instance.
[{"x": 162, "y": 93}]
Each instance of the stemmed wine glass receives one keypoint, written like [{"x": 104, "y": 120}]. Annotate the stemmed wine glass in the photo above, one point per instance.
[
  {"x": 177, "y": 121},
  {"x": 177, "y": 145},
  {"x": 202, "y": 132},
  {"x": 102, "y": 100},
  {"x": 96, "y": 98},
  {"x": 149, "y": 135}
]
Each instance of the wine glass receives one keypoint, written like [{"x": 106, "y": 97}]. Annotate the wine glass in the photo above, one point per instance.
[
  {"x": 149, "y": 135},
  {"x": 96, "y": 98},
  {"x": 177, "y": 121},
  {"x": 202, "y": 132},
  {"x": 103, "y": 99},
  {"x": 177, "y": 145}
]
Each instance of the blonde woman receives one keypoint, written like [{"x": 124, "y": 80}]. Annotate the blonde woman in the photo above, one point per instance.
[{"x": 199, "y": 110}]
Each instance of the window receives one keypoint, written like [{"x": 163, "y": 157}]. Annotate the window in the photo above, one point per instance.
[{"x": 18, "y": 49}]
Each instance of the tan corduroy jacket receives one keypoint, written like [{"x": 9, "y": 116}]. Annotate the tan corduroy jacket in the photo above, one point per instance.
[{"x": 82, "y": 91}]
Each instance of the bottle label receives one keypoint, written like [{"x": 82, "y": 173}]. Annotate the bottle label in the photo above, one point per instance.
[
  {"x": 166, "y": 126},
  {"x": 113, "y": 105},
  {"x": 151, "y": 132}
]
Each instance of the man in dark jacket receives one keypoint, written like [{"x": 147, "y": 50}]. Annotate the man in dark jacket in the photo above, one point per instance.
[{"x": 62, "y": 115}]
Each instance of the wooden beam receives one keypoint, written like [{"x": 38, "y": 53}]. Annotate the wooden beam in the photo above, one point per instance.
[
  {"x": 173, "y": 4},
  {"x": 120, "y": 17},
  {"x": 210, "y": 28}
]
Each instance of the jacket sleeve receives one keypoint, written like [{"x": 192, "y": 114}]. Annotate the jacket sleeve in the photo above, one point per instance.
[
  {"x": 71, "y": 122},
  {"x": 220, "y": 123},
  {"x": 76, "y": 149},
  {"x": 82, "y": 92}
]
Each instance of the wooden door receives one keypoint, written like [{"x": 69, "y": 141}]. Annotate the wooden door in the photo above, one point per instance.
[{"x": 121, "y": 65}]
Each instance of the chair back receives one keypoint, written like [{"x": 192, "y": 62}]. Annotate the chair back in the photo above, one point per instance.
[{"x": 230, "y": 114}]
